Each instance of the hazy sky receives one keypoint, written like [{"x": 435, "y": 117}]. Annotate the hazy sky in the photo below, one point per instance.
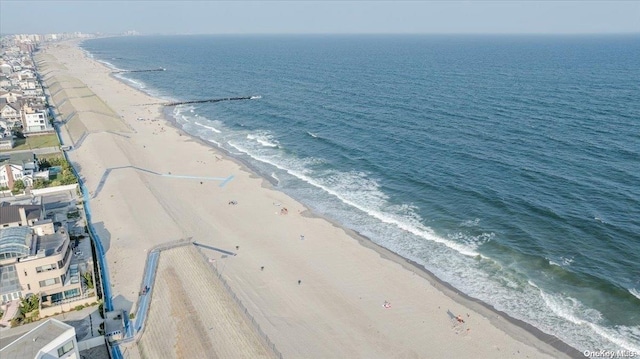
[{"x": 250, "y": 17}]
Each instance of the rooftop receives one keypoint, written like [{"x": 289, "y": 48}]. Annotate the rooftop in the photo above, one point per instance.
[
  {"x": 28, "y": 345},
  {"x": 50, "y": 243},
  {"x": 15, "y": 242},
  {"x": 11, "y": 213},
  {"x": 18, "y": 159}
]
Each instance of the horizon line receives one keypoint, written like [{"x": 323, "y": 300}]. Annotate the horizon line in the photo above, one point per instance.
[{"x": 327, "y": 33}]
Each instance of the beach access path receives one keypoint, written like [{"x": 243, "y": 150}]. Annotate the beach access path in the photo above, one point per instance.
[{"x": 321, "y": 297}]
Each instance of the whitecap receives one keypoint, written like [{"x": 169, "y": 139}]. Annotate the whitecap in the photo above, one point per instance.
[
  {"x": 470, "y": 222},
  {"x": 264, "y": 139},
  {"x": 207, "y": 127}
]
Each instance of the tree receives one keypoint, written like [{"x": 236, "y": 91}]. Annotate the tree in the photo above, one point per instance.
[
  {"x": 28, "y": 305},
  {"x": 18, "y": 186}
]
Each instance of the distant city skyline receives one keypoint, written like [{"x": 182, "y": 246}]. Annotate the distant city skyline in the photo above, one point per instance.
[{"x": 321, "y": 17}]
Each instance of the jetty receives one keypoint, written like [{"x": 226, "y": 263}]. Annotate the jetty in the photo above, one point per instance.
[
  {"x": 211, "y": 100},
  {"x": 144, "y": 70}
]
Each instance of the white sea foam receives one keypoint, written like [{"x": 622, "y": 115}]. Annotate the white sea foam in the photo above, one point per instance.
[
  {"x": 179, "y": 113},
  {"x": 472, "y": 241},
  {"x": 256, "y": 97},
  {"x": 312, "y": 134},
  {"x": 470, "y": 222},
  {"x": 110, "y": 65},
  {"x": 357, "y": 190},
  {"x": 275, "y": 177},
  {"x": 208, "y": 127},
  {"x": 564, "y": 262},
  {"x": 264, "y": 139},
  {"x": 635, "y": 292},
  {"x": 575, "y": 312}
]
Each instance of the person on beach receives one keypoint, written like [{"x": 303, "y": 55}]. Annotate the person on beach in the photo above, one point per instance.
[
  {"x": 459, "y": 318},
  {"x": 299, "y": 282}
]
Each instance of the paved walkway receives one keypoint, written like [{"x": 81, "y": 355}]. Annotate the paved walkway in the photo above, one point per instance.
[
  {"x": 37, "y": 151},
  {"x": 10, "y": 312}
]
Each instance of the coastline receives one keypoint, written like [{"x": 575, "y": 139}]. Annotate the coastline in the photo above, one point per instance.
[{"x": 517, "y": 330}]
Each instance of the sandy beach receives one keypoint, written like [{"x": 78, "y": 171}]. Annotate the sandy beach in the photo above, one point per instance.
[{"x": 316, "y": 289}]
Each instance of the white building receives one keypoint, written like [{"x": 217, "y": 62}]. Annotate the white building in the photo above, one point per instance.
[
  {"x": 36, "y": 121},
  {"x": 51, "y": 339}
]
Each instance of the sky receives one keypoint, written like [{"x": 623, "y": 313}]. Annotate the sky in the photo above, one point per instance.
[{"x": 320, "y": 17}]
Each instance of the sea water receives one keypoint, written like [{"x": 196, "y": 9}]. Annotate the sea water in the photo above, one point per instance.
[{"x": 509, "y": 166}]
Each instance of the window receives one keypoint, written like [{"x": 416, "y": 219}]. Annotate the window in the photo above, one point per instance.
[
  {"x": 46, "y": 268},
  {"x": 65, "y": 349},
  {"x": 48, "y": 282}
]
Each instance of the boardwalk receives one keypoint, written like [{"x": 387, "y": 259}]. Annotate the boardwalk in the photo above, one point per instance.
[{"x": 193, "y": 316}]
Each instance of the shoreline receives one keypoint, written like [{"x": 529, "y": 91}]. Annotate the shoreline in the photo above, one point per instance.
[{"x": 499, "y": 319}]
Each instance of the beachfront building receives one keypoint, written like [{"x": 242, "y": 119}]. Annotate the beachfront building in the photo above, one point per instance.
[
  {"x": 39, "y": 260},
  {"x": 21, "y": 166},
  {"x": 35, "y": 120},
  {"x": 10, "y": 112},
  {"x": 51, "y": 339}
]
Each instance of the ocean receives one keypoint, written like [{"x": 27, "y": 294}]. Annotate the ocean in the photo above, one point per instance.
[{"x": 508, "y": 166}]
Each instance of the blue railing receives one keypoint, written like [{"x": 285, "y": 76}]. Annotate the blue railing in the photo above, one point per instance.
[{"x": 100, "y": 254}]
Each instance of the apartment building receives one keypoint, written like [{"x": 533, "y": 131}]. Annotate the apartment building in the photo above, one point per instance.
[
  {"x": 39, "y": 260},
  {"x": 51, "y": 339}
]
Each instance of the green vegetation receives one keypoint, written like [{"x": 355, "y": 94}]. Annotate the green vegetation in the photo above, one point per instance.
[
  {"x": 79, "y": 307},
  {"x": 65, "y": 176},
  {"x": 88, "y": 278},
  {"x": 73, "y": 215},
  {"x": 132, "y": 315},
  {"x": 28, "y": 305},
  {"x": 29, "y": 311},
  {"x": 18, "y": 186},
  {"x": 32, "y": 142}
]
